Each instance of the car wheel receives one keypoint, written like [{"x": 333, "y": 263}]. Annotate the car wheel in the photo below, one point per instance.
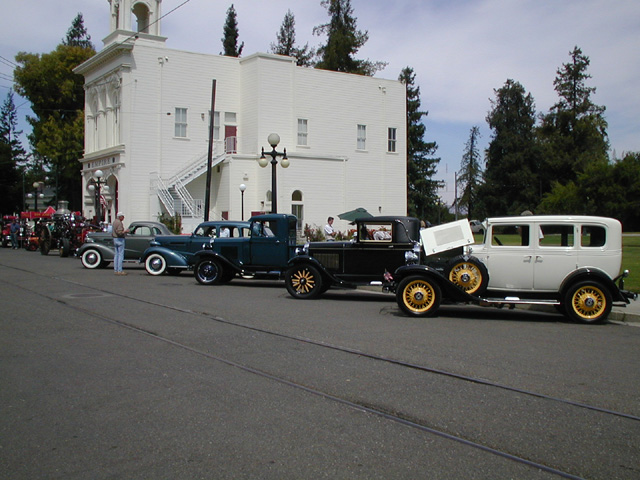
[
  {"x": 92, "y": 259},
  {"x": 418, "y": 296},
  {"x": 208, "y": 272},
  {"x": 588, "y": 302},
  {"x": 304, "y": 282},
  {"x": 65, "y": 247},
  {"x": 155, "y": 264},
  {"x": 468, "y": 273}
]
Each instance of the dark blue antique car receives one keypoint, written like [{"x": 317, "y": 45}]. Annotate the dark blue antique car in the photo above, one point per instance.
[{"x": 174, "y": 253}]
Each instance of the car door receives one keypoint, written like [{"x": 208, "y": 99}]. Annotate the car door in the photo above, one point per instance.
[
  {"x": 510, "y": 257},
  {"x": 555, "y": 256},
  {"x": 137, "y": 241},
  {"x": 269, "y": 247}
]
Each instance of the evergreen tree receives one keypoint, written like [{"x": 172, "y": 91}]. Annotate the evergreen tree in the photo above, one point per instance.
[
  {"x": 77, "y": 35},
  {"x": 574, "y": 132},
  {"x": 470, "y": 174},
  {"x": 511, "y": 179},
  {"x": 287, "y": 43},
  {"x": 11, "y": 154},
  {"x": 422, "y": 190},
  {"x": 343, "y": 41},
  {"x": 57, "y": 100},
  {"x": 230, "y": 39}
]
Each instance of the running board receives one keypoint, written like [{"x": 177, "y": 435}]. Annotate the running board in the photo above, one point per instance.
[{"x": 488, "y": 302}]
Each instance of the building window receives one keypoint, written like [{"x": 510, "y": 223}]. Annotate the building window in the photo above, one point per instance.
[
  {"x": 181, "y": 122},
  {"x": 297, "y": 208},
  {"x": 216, "y": 124},
  {"x": 391, "y": 140},
  {"x": 302, "y": 132},
  {"x": 362, "y": 137}
]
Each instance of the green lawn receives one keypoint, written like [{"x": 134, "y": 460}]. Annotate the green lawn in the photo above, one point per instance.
[
  {"x": 631, "y": 261},
  {"x": 630, "y": 257}
]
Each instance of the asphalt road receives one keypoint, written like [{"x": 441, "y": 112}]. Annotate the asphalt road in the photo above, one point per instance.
[{"x": 144, "y": 377}]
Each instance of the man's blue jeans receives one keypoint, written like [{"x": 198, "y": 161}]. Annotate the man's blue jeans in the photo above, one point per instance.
[{"x": 118, "y": 243}]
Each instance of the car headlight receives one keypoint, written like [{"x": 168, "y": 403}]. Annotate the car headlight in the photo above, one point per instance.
[{"x": 412, "y": 257}]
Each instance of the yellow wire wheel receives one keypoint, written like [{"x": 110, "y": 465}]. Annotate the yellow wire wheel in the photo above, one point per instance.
[
  {"x": 303, "y": 281},
  {"x": 469, "y": 274},
  {"x": 418, "y": 296},
  {"x": 588, "y": 302}
]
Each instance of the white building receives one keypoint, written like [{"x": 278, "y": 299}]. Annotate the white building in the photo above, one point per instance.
[{"x": 147, "y": 113}]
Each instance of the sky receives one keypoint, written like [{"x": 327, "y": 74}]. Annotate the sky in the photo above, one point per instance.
[{"x": 460, "y": 50}]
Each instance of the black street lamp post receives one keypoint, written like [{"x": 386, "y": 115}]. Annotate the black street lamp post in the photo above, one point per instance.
[
  {"x": 38, "y": 192},
  {"x": 95, "y": 188},
  {"x": 243, "y": 187},
  {"x": 274, "y": 140}
]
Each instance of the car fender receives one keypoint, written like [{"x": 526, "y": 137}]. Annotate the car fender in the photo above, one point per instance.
[
  {"x": 173, "y": 258},
  {"x": 106, "y": 252},
  {"x": 306, "y": 259},
  {"x": 449, "y": 289},
  {"x": 202, "y": 254},
  {"x": 589, "y": 273}
]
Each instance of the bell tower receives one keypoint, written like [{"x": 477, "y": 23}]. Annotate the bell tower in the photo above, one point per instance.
[{"x": 135, "y": 16}]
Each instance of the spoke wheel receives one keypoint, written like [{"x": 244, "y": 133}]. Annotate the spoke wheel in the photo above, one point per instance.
[
  {"x": 155, "y": 264},
  {"x": 469, "y": 274},
  {"x": 208, "y": 272},
  {"x": 304, "y": 282},
  {"x": 418, "y": 296},
  {"x": 588, "y": 302}
]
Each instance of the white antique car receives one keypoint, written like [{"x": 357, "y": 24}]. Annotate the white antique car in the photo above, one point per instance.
[{"x": 571, "y": 262}]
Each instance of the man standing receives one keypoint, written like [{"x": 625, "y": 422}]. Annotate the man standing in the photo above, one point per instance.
[
  {"x": 118, "y": 233},
  {"x": 329, "y": 233},
  {"x": 14, "y": 229}
]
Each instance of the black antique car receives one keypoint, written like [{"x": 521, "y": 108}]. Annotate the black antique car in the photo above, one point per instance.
[
  {"x": 381, "y": 244},
  {"x": 97, "y": 250}
]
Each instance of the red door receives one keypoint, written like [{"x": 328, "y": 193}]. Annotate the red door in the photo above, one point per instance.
[{"x": 230, "y": 138}]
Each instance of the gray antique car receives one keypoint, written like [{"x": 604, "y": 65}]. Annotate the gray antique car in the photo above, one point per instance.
[{"x": 97, "y": 250}]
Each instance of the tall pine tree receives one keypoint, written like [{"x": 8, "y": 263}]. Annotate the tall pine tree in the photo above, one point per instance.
[
  {"x": 511, "y": 179},
  {"x": 11, "y": 154},
  {"x": 574, "y": 132},
  {"x": 343, "y": 41},
  {"x": 230, "y": 38},
  {"x": 286, "y": 44},
  {"x": 422, "y": 190},
  {"x": 470, "y": 175}
]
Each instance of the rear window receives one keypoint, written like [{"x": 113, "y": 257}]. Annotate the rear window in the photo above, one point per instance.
[
  {"x": 375, "y": 232},
  {"x": 593, "y": 236},
  {"x": 550, "y": 235}
]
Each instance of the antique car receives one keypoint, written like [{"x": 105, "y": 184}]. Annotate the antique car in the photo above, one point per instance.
[
  {"x": 381, "y": 244},
  {"x": 263, "y": 253},
  {"x": 570, "y": 262},
  {"x": 174, "y": 253},
  {"x": 97, "y": 250}
]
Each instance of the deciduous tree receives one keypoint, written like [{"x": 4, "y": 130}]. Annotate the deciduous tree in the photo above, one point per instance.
[{"x": 57, "y": 100}]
